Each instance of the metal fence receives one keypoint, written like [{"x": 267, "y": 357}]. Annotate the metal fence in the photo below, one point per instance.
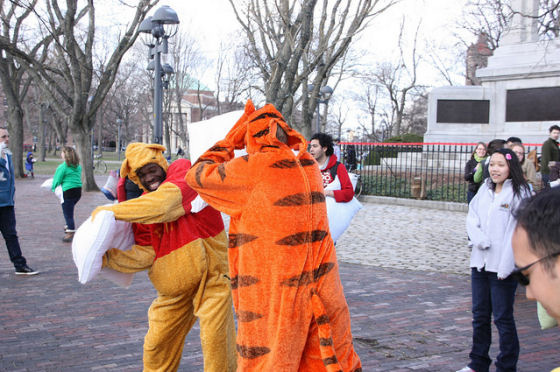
[{"x": 433, "y": 171}]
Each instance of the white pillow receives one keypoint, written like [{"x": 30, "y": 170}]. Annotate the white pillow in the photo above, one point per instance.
[
  {"x": 340, "y": 215},
  {"x": 57, "y": 191},
  {"x": 93, "y": 239}
]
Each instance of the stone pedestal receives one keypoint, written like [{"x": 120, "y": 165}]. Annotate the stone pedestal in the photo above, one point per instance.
[{"x": 520, "y": 87}]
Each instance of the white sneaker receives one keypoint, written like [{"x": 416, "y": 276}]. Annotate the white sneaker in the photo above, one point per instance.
[{"x": 466, "y": 369}]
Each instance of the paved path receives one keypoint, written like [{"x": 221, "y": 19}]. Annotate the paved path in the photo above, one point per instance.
[{"x": 403, "y": 271}]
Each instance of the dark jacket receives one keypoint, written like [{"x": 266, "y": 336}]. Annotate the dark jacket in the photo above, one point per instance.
[
  {"x": 550, "y": 152},
  {"x": 469, "y": 174}
]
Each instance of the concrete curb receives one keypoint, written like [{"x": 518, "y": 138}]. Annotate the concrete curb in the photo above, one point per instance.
[{"x": 428, "y": 204}]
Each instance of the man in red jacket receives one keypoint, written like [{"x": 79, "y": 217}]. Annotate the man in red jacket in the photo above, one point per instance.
[{"x": 321, "y": 147}]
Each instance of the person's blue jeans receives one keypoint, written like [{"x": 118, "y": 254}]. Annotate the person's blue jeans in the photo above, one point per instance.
[
  {"x": 491, "y": 296},
  {"x": 68, "y": 212},
  {"x": 8, "y": 229}
]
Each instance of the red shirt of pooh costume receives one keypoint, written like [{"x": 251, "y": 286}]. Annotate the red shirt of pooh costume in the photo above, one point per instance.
[
  {"x": 186, "y": 262},
  {"x": 290, "y": 305}
]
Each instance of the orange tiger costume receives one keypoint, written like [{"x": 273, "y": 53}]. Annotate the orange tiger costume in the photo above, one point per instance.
[{"x": 291, "y": 310}]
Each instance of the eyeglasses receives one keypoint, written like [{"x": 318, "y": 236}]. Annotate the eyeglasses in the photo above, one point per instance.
[{"x": 518, "y": 275}]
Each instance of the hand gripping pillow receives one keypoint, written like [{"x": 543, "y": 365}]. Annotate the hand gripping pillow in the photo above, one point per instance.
[
  {"x": 93, "y": 239},
  {"x": 340, "y": 214}
]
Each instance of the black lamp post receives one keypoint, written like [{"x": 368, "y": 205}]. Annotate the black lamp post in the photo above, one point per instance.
[
  {"x": 324, "y": 96},
  {"x": 157, "y": 25}
]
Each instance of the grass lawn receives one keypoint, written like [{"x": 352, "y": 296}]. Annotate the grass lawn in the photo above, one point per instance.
[{"x": 49, "y": 166}]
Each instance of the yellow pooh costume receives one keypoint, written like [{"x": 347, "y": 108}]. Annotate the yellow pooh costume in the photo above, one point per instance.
[{"x": 186, "y": 259}]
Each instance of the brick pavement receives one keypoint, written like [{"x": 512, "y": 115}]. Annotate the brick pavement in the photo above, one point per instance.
[{"x": 405, "y": 316}]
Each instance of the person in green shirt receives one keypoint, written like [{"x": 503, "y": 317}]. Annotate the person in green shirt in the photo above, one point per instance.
[{"x": 69, "y": 176}]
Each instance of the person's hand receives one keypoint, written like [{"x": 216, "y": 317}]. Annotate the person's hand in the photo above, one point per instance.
[
  {"x": 99, "y": 209},
  {"x": 329, "y": 193},
  {"x": 236, "y": 136}
]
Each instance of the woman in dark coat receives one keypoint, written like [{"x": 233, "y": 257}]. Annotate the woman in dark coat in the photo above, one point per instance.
[{"x": 478, "y": 155}]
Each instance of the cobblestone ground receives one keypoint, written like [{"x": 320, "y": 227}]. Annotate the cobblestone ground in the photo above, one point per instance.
[
  {"x": 403, "y": 271},
  {"x": 409, "y": 238}
]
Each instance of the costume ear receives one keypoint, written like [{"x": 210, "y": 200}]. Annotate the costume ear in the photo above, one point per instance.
[
  {"x": 156, "y": 147},
  {"x": 125, "y": 168},
  {"x": 249, "y": 107}
]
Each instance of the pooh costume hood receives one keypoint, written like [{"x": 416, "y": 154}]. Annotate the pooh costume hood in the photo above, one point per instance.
[
  {"x": 292, "y": 314},
  {"x": 139, "y": 154},
  {"x": 186, "y": 259}
]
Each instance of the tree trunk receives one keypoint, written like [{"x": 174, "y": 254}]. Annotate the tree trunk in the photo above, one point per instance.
[
  {"x": 42, "y": 134},
  {"x": 15, "y": 118},
  {"x": 82, "y": 138}
]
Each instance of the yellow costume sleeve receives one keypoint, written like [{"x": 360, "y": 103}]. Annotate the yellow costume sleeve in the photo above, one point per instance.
[
  {"x": 163, "y": 205},
  {"x": 138, "y": 258}
]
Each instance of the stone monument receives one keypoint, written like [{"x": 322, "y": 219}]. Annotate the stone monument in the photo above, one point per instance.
[{"x": 519, "y": 93}]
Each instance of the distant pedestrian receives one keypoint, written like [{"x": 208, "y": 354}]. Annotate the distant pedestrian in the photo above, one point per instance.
[
  {"x": 350, "y": 157},
  {"x": 527, "y": 166},
  {"x": 490, "y": 226},
  {"x": 336, "y": 148},
  {"x": 474, "y": 163},
  {"x": 7, "y": 214},
  {"x": 69, "y": 176},
  {"x": 511, "y": 141},
  {"x": 29, "y": 165},
  {"x": 550, "y": 155},
  {"x": 482, "y": 172}
]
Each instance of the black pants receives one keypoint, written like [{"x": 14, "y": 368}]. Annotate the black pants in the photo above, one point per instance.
[
  {"x": 8, "y": 229},
  {"x": 71, "y": 197}
]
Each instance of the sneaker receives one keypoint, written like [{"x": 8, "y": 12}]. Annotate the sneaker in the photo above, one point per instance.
[
  {"x": 26, "y": 270},
  {"x": 466, "y": 369}
]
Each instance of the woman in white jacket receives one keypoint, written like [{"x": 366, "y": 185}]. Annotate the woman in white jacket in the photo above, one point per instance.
[{"x": 490, "y": 226}]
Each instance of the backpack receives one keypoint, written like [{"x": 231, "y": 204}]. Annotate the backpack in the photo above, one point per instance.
[
  {"x": 334, "y": 169},
  {"x": 353, "y": 176}
]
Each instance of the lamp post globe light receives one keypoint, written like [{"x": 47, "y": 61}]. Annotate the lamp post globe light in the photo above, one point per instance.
[
  {"x": 158, "y": 26},
  {"x": 324, "y": 96}
]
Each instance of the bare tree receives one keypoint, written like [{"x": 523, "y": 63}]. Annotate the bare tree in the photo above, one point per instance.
[
  {"x": 399, "y": 79},
  {"x": 82, "y": 95},
  {"x": 15, "y": 81},
  {"x": 296, "y": 42},
  {"x": 233, "y": 78},
  {"x": 490, "y": 17},
  {"x": 549, "y": 18}
]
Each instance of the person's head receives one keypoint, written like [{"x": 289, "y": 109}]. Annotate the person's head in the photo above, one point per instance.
[
  {"x": 145, "y": 165},
  {"x": 511, "y": 140},
  {"x": 504, "y": 165},
  {"x": 519, "y": 151},
  {"x": 536, "y": 249},
  {"x": 321, "y": 146},
  {"x": 554, "y": 132},
  {"x": 494, "y": 145},
  {"x": 70, "y": 156},
  {"x": 4, "y": 136},
  {"x": 479, "y": 150}
]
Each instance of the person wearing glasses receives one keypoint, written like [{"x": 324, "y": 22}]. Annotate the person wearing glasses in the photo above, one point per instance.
[
  {"x": 536, "y": 248},
  {"x": 490, "y": 226},
  {"x": 7, "y": 214}
]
